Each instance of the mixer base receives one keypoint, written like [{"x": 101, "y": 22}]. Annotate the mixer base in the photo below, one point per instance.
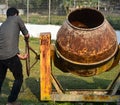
[
  {"x": 111, "y": 94},
  {"x": 83, "y": 96}
]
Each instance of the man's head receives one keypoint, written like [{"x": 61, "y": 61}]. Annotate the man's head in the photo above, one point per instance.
[{"x": 12, "y": 11}]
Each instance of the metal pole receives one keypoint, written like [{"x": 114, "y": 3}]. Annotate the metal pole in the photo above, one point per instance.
[
  {"x": 98, "y": 5},
  {"x": 49, "y": 20},
  {"x": 7, "y": 4},
  {"x": 74, "y": 3},
  {"x": 27, "y": 11}
]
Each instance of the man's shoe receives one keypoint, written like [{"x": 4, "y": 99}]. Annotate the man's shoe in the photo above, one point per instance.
[{"x": 14, "y": 103}]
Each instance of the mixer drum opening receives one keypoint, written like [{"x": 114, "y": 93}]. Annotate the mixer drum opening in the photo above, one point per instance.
[{"x": 86, "y": 18}]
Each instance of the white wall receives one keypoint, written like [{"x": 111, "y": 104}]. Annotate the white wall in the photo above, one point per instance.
[{"x": 35, "y": 30}]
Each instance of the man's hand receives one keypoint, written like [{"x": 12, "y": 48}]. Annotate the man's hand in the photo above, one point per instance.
[
  {"x": 27, "y": 37},
  {"x": 22, "y": 57}
]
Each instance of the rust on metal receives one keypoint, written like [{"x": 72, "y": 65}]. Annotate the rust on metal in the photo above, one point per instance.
[
  {"x": 47, "y": 52},
  {"x": 82, "y": 70},
  {"x": 84, "y": 98},
  {"x": 86, "y": 45},
  {"x": 56, "y": 84},
  {"x": 45, "y": 66},
  {"x": 90, "y": 40},
  {"x": 86, "y": 42},
  {"x": 28, "y": 59}
]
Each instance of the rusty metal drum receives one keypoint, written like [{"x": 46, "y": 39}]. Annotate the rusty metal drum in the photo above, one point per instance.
[{"x": 86, "y": 39}]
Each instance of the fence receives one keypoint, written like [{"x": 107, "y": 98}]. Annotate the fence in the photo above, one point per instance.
[{"x": 53, "y": 11}]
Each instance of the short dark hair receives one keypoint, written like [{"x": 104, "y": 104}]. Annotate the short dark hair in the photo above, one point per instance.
[{"x": 12, "y": 11}]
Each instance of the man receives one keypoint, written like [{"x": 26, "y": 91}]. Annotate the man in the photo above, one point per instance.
[{"x": 9, "y": 52}]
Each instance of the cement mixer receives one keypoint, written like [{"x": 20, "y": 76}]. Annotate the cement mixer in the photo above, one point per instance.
[
  {"x": 86, "y": 42},
  {"x": 86, "y": 45}
]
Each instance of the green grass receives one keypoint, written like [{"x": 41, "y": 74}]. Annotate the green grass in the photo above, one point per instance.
[
  {"x": 44, "y": 19},
  {"x": 30, "y": 92}
]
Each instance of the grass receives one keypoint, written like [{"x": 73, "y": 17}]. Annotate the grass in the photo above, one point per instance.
[
  {"x": 44, "y": 19},
  {"x": 30, "y": 91}
]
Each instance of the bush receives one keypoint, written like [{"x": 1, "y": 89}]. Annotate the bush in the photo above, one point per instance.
[{"x": 114, "y": 21}]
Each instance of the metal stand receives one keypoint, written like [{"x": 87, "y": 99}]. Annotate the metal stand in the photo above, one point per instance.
[{"x": 47, "y": 79}]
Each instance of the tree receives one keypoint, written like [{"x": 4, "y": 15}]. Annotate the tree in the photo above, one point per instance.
[{"x": 2, "y": 1}]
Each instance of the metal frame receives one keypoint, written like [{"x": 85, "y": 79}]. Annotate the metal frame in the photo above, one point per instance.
[{"x": 47, "y": 79}]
